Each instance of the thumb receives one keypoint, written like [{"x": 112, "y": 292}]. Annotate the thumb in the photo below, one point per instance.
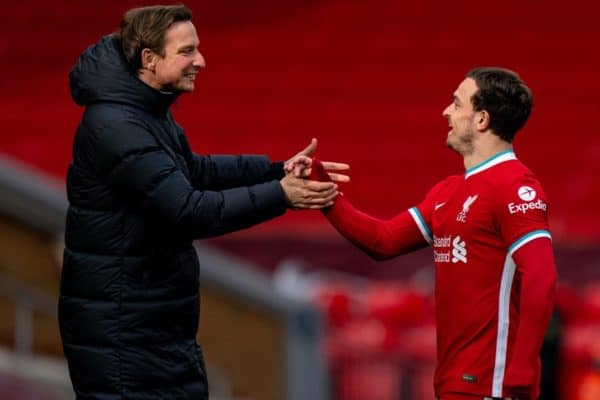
[{"x": 310, "y": 149}]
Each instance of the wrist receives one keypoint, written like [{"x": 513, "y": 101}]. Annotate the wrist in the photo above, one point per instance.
[{"x": 276, "y": 171}]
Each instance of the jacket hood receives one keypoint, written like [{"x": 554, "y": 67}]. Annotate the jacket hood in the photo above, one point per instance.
[{"x": 102, "y": 74}]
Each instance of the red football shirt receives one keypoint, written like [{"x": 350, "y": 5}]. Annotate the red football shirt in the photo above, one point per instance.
[
  {"x": 475, "y": 224},
  {"x": 492, "y": 312}
]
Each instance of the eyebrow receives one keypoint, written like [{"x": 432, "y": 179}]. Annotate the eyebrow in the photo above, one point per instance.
[
  {"x": 190, "y": 45},
  {"x": 187, "y": 47}
]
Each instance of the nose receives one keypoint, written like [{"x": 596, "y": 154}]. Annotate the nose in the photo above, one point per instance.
[
  {"x": 446, "y": 112},
  {"x": 199, "y": 61}
]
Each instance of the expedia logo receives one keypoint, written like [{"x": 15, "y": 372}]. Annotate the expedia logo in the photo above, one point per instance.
[
  {"x": 527, "y": 194},
  {"x": 524, "y": 207}
]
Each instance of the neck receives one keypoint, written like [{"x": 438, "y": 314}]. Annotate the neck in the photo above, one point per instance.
[
  {"x": 147, "y": 77},
  {"x": 486, "y": 149}
]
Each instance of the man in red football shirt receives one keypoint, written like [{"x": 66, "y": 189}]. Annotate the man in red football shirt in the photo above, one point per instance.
[{"x": 495, "y": 271}]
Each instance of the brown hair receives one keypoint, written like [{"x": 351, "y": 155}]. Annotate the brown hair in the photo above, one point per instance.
[
  {"x": 145, "y": 27},
  {"x": 505, "y": 97}
]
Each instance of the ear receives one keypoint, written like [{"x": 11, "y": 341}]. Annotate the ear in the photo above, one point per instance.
[
  {"x": 148, "y": 59},
  {"x": 482, "y": 120}
]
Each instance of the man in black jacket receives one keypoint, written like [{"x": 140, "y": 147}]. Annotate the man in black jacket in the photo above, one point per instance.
[{"x": 129, "y": 304}]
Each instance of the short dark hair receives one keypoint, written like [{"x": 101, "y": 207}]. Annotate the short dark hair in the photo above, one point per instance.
[
  {"x": 505, "y": 97},
  {"x": 145, "y": 27}
]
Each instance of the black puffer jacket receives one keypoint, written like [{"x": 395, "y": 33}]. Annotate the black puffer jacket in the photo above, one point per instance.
[{"x": 129, "y": 305}]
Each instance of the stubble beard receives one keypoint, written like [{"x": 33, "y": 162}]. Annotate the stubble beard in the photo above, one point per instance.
[{"x": 464, "y": 145}]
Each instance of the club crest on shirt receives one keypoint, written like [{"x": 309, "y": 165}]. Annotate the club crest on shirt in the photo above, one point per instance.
[{"x": 462, "y": 216}]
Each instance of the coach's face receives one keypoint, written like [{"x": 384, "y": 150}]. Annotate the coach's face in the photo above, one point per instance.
[
  {"x": 462, "y": 118},
  {"x": 177, "y": 67}
]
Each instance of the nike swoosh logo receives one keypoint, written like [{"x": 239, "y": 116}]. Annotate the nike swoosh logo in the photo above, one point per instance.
[{"x": 439, "y": 205}]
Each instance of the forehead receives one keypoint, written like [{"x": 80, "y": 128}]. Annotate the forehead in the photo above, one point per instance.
[
  {"x": 466, "y": 89},
  {"x": 181, "y": 34}
]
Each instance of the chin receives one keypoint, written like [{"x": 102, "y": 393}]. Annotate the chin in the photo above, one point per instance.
[
  {"x": 186, "y": 88},
  {"x": 452, "y": 146}
]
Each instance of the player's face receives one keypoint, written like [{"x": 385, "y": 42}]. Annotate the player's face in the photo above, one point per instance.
[
  {"x": 176, "y": 70},
  {"x": 461, "y": 118}
]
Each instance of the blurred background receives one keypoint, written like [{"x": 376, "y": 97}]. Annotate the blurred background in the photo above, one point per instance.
[{"x": 290, "y": 310}]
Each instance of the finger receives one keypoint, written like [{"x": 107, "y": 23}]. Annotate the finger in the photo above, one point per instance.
[
  {"x": 300, "y": 159},
  {"x": 325, "y": 196},
  {"x": 306, "y": 172},
  {"x": 298, "y": 164},
  {"x": 338, "y": 177},
  {"x": 320, "y": 198},
  {"x": 310, "y": 149},
  {"x": 335, "y": 166},
  {"x": 331, "y": 197},
  {"x": 316, "y": 186},
  {"x": 288, "y": 166},
  {"x": 318, "y": 207},
  {"x": 326, "y": 203},
  {"x": 318, "y": 201},
  {"x": 300, "y": 171}
]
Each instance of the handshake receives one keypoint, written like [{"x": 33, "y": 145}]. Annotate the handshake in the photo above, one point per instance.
[{"x": 311, "y": 184}]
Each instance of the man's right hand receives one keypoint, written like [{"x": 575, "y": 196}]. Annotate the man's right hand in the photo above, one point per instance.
[{"x": 306, "y": 194}]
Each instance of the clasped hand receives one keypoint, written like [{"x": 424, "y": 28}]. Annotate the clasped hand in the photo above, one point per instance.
[{"x": 302, "y": 193}]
